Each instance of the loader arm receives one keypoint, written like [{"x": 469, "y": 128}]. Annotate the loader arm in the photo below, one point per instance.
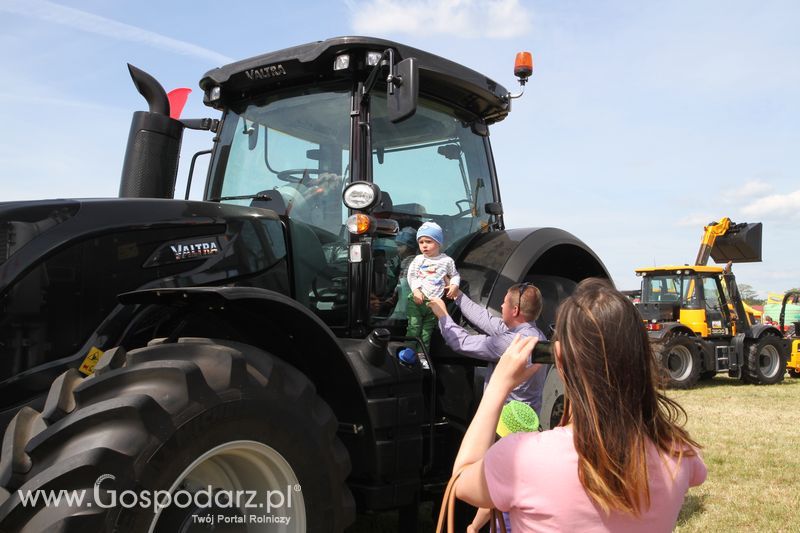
[{"x": 710, "y": 234}]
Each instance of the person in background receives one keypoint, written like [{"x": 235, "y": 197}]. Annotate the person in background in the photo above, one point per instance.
[
  {"x": 521, "y": 306},
  {"x": 621, "y": 460},
  {"x": 398, "y": 271}
]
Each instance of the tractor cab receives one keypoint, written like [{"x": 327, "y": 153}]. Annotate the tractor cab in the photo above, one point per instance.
[
  {"x": 413, "y": 156},
  {"x": 691, "y": 295}
]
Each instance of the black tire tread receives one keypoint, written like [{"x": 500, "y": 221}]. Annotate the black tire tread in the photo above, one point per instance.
[
  {"x": 136, "y": 402},
  {"x": 751, "y": 372},
  {"x": 60, "y": 399},
  {"x": 694, "y": 377},
  {"x": 15, "y": 462}
]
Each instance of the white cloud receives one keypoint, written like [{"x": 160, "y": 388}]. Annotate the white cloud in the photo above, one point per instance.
[
  {"x": 748, "y": 190},
  {"x": 695, "y": 220},
  {"x": 498, "y": 19},
  {"x": 776, "y": 205},
  {"x": 90, "y": 23}
]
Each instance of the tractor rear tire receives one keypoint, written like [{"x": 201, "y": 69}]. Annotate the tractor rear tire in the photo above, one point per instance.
[
  {"x": 197, "y": 418},
  {"x": 765, "y": 364},
  {"x": 552, "y": 400},
  {"x": 680, "y": 359}
]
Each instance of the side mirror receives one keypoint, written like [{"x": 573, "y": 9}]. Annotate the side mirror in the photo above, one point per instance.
[
  {"x": 403, "y": 90},
  {"x": 493, "y": 208},
  {"x": 387, "y": 227}
]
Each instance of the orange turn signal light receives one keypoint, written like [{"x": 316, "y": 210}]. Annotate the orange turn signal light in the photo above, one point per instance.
[
  {"x": 359, "y": 224},
  {"x": 523, "y": 65}
]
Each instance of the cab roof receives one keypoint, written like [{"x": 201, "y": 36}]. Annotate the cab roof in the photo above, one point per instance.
[
  {"x": 312, "y": 63},
  {"x": 671, "y": 269}
]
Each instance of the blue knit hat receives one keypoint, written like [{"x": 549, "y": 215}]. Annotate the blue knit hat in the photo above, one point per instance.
[
  {"x": 432, "y": 230},
  {"x": 407, "y": 236}
]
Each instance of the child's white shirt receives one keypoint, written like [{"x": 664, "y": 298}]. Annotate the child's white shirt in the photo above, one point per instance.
[{"x": 428, "y": 274}]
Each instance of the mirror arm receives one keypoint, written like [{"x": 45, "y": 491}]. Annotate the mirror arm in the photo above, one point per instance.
[
  {"x": 369, "y": 84},
  {"x": 392, "y": 79}
]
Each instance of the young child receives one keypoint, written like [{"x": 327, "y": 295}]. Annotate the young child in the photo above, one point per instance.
[{"x": 428, "y": 276}]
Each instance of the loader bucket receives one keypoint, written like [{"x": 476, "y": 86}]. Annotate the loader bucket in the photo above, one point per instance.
[{"x": 742, "y": 244}]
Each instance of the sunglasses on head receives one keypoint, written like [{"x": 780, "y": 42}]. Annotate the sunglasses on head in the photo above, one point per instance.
[{"x": 522, "y": 288}]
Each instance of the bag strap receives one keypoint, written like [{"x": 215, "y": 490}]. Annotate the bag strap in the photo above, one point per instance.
[
  {"x": 448, "y": 504},
  {"x": 497, "y": 518},
  {"x": 448, "y": 508}
]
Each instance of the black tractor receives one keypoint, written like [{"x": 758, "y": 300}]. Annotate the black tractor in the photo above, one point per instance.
[{"x": 176, "y": 365}]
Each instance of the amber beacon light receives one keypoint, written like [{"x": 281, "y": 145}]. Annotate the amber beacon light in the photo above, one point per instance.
[{"x": 523, "y": 66}]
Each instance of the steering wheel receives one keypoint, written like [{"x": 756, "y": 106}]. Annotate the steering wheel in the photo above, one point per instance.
[
  {"x": 463, "y": 212},
  {"x": 289, "y": 175}
]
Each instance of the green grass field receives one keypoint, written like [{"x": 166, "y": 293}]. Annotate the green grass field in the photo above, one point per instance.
[
  {"x": 751, "y": 440},
  {"x": 751, "y": 445}
]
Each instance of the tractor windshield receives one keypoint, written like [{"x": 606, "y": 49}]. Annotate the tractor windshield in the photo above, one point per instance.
[
  {"x": 289, "y": 152},
  {"x": 676, "y": 288},
  {"x": 662, "y": 288},
  {"x": 433, "y": 167},
  {"x": 294, "y": 148},
  {"x": 430, "y": 167}
]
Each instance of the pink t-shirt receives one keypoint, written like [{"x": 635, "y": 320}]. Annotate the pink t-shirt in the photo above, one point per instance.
[{"x": 534, "y": 476}]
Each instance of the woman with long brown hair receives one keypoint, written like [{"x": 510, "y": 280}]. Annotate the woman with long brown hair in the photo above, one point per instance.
[{"x": 619, "y": 461}]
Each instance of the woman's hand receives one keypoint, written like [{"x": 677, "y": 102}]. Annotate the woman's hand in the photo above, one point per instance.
[{"x": 513, "y": 367}]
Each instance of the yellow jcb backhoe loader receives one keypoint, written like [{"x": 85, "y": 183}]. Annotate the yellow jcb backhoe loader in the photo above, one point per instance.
[{"x": 696, "y": 318}]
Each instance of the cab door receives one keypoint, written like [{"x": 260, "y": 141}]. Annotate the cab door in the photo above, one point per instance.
[{"x": 717, "y": 315}]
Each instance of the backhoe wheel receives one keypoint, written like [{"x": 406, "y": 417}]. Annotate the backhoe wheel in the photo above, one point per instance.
[
  {"x": 680, "y": 358},
  {"x": 707, "y": 374},
  {"x": 765, "y": 362},
  {"x": 237, "y": 439}
]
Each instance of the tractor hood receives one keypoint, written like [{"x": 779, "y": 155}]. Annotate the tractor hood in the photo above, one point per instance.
[{"x": 32, "y": 230}]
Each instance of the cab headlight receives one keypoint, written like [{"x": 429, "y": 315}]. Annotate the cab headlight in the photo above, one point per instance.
[{"x": 361, "y": 195}]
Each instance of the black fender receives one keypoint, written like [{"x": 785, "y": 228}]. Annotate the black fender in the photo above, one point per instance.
[
  {"x": 315, "y": 352},
  {"x": 668, "y": 329},
  {"x": 759, "y": 330},
  {"x": 277, "y": 324},
  {"x": 493, "y": 262}
]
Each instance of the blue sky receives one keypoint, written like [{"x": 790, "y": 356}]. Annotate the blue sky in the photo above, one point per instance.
[{"x": 643, "y": 121}]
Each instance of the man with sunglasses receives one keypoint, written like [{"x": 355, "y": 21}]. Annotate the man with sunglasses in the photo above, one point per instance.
[{"x": 521, "y": 306}]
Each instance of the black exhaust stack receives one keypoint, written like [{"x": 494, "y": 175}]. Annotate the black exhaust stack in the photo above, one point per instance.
[{"x": 154, "y": 144}]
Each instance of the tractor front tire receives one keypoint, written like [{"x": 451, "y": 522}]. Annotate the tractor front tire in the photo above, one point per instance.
[
  {"x": 233, "y": 430},
  {"x": 680, "y": 360},
  {"x": 765, "y": 364}
]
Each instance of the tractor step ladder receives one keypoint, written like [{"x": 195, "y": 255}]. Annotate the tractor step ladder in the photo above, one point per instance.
[{"x": 723, "y": 357}]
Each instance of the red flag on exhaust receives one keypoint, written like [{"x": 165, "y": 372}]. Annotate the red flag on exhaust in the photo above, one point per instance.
[{"x": 177, "y": 99}]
